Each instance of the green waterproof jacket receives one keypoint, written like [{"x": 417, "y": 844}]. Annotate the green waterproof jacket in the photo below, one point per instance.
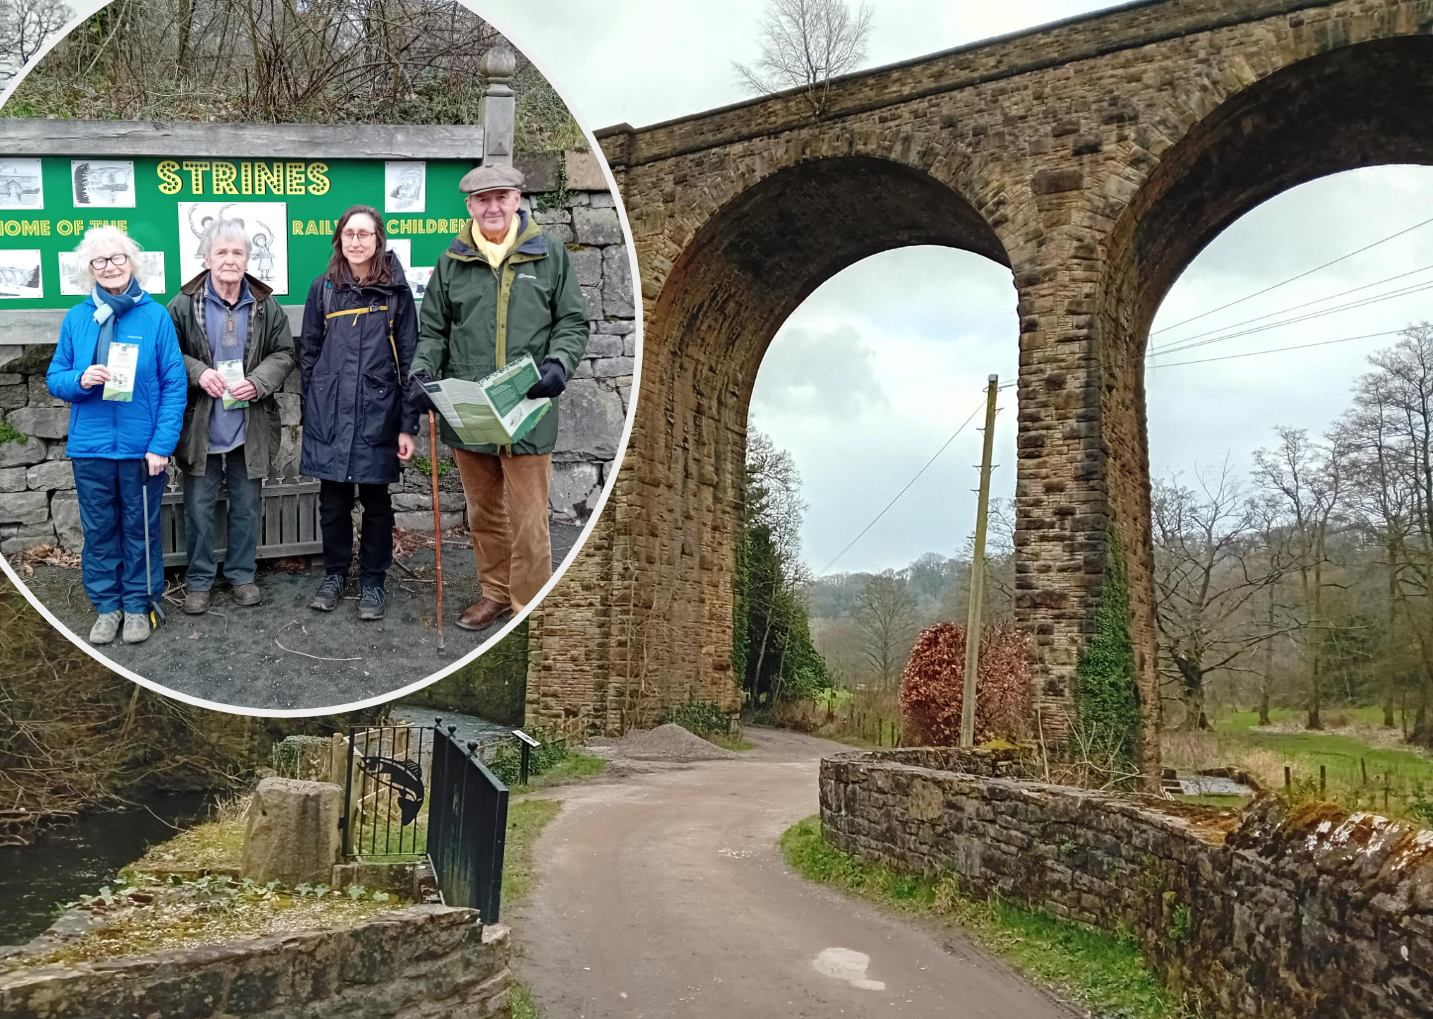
[
  {"x": 269, "y": 357},
  {"x": 476, "y": 317}
]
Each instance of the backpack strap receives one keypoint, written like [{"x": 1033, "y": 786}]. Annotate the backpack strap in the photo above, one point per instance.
[{"x": 327, "y": 316}]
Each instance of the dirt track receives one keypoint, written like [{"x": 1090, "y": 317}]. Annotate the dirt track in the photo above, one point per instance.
[
  {"x": 663, "y": 894},
  {"x": 284, "y": 655}
]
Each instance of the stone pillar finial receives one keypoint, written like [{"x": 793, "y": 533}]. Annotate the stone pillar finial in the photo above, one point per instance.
[{"x": 498, "y": 107}]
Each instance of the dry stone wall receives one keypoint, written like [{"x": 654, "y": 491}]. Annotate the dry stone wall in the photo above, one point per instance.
[
  {"x": 1268, "y": 916},
  {"x": 414, "y": 963}
]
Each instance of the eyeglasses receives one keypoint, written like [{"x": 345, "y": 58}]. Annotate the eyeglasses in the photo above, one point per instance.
[
  {"x": 99, "y": 263},
  {"x": 357, "y": 235}
]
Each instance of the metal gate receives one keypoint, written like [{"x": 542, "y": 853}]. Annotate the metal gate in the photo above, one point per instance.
[{"x": 414, "y": 791}]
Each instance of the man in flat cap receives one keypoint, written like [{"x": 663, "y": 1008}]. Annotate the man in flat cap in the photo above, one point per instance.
[{"x": 504, "y": 288}]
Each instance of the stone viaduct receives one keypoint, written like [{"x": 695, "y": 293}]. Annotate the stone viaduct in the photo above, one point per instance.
[{"x": 1094, "y": 157}]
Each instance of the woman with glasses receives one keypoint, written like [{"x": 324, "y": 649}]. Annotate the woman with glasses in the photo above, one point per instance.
[
  {"x": 360, "y": 329},
  {"x": 118, "y": 364}
]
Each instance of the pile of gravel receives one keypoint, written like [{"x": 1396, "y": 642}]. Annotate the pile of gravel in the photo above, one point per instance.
[{"x": 668, "y": 742}]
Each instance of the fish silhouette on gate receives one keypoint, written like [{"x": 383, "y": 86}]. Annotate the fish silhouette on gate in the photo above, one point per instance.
[{"x": 405, "y": 777}]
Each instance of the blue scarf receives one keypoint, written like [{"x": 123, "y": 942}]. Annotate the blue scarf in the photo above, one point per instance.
[{"x": 108, "y": 308}]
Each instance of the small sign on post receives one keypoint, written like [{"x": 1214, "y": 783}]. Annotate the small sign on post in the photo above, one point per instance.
[{"x": 527, "y": 744}]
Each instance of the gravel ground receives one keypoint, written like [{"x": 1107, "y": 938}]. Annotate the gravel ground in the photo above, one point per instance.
[
  {"x": 284, "y": 655},
  {"x": 668, "y": 742}
]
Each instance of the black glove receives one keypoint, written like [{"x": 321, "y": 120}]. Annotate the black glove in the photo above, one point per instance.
[
  {"x": 417, "y": 395},
  {"x": 552, "y": 382}
]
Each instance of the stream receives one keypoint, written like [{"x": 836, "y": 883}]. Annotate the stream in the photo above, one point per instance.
[{"x": 79, "y": 858}]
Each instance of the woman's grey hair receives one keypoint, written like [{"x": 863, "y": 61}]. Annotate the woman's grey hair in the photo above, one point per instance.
[
  {"x": 96, "y": 238},
  {"x": 223, "y": 230}
]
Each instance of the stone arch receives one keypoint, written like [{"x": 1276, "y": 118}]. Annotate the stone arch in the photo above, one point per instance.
[
  {"x": 753, "y": 260},
  {"x": 1325, "y": 111}
]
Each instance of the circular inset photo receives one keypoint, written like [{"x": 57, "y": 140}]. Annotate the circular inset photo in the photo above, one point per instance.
[{"x": 318, "y": 362}]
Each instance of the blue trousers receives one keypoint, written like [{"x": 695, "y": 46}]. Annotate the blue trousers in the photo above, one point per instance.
[
  {"x": 111, "y": 494},
  {"x": 201, "y": 496}
]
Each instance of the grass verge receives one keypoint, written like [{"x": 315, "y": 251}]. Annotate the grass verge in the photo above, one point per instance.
[
  {"x": 577, "y": 766},
  {"x": 738, "y": 744},
  {"x": 524, "y": 1005},
  {"x": 1100, "y": 971},
  {"x": 526, "y": 820}
]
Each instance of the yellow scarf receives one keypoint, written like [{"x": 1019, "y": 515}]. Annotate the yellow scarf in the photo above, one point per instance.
[{"x": 495, "y": 253}]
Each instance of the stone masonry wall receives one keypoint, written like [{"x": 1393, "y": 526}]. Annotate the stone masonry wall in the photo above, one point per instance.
[
  {"x": 413, "y": 963},
  {"x": 1269, "y": 921},
  {"x": 37, "y": 500},
  {"x": 1081, "y": 156}
]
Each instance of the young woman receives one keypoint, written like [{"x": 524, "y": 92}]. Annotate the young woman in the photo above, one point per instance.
[
  {"x": 118, "y": 364},
  {"x": 360, "y": 328}
]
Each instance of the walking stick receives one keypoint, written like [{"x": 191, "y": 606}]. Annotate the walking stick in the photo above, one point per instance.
[
  {"x": 152, "y": 612},
  {"x": 437, "y": 517}
]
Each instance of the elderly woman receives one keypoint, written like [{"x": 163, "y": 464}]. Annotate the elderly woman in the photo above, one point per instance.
[
  {"x": 118, "y": 364},
  {"x": 360, "y": 329}
]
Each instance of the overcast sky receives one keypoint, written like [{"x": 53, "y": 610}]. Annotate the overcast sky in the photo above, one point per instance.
[{"x": 951, "y": 320}]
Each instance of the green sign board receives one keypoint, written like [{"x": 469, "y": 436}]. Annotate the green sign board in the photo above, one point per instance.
[{"x": 289, "y": 208}]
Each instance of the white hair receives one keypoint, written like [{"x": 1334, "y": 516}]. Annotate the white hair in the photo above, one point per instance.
[
  {"x": 97, "y": 237},
  {"x": 223, "y": 230}
]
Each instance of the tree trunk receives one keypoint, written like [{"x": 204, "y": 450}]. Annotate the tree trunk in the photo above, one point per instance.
[
  {"x": 1389, "y": 679},
  {"x": 1268, "y": 666}
]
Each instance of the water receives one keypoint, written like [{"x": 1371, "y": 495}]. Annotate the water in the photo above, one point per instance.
[
  {"x": 65, "y": 863},
  {"x": 470, "y": 727}
]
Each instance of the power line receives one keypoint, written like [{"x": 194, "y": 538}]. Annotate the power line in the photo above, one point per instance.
[
  {"x": 1156, "y": 348},
  {"x": 1363, "y": 303},
  {"x": 1291, "y": 279},
  {"x": 1277, "y": 350},
  {"x": 902, "y": 492}
]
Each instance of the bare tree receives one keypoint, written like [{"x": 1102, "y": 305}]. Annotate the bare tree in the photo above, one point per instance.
[
  {"x": 1311, "y": 481},
  {"x": 25, "y": 27},
  {"x": 1206, "y": 576},
  {"x": 886, "y": 616},
  {"x": 804, "y": 44}
]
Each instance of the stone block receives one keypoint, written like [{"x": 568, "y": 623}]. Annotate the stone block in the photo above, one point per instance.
[
  {"x": 40, "y": 393},
  {"x": 600, "y": 345},
  {"x": 617, "y": 282},
  {"x": 591, "y": 420},
  {"x": 603, "y": 200},
  {"x": 597, "y": 226},
  {"x": 422, "y": 520},
  {"x": 13, "y": 396},
  {"x": 584, "y": 172},
  {"x": 65, "y": 514},
  {"x": 594, "y": 301},
  {"x": 292, "y": 833},
  {"x": 50, "y": 476},
  {"x": 44, "y": 422},
  {"x": 29, "y": 536},
  {"x": 611, "y": 367},
  {"x": 587, "y": 263},
  {"x": 24, "y": 507},
  {"x": 574, "y": 489},
  {"x": 22, "y": 454},
  {"x": 12, "y": 479},
  {"x": 408, "y": 501}
]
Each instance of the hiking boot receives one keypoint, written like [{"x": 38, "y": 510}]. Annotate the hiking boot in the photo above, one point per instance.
[
  {"x": 329, "y": 592},
  {"x": 136, "y": 627},
  {"x": 247, "y": 594},
  {"x": 373, "y": 603},
  {"x": 476, "y": 617},
  {"x": 196, "y": 603},
  {"x": 106, "y": 627}
]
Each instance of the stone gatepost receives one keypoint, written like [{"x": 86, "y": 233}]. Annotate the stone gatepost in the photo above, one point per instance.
[{"x": 292, "y": 834}]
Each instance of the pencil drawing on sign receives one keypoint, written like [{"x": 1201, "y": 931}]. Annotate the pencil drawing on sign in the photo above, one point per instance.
[
  {"x": 417, "y": 278},
  {"x": 152, "y": 263},
  {"x": 109, "y": 182},
  {"x": 263, "y": 228},
  {"x": 404, "y": 185},
  {"x": 20, "y": 274},
  {"x": 20, "y": 185}
]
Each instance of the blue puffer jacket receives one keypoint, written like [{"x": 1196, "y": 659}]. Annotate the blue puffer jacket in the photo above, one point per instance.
[{"x": 110, "y": 429}]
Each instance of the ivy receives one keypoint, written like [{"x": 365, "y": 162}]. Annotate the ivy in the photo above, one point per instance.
[
  {"x": 9, "y": 433},
  {"x": 557, "y": 199},
  {"x": 1106, "y": 695}
]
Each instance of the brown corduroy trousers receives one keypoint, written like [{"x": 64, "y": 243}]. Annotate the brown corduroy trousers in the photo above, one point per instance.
[{"x": 508, "y": 518}]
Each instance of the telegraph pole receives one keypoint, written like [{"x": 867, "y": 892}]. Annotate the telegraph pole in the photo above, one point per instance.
[{"x": 977, "y": 575}]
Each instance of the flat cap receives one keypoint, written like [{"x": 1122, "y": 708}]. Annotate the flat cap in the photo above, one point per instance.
[{"x": 491, "y": 178}]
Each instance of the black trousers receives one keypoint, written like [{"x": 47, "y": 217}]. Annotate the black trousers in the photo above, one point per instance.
[{"x": 375, "y": 539}]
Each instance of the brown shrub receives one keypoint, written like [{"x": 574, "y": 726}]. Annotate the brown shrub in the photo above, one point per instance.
[{"x": 933, "y": 684}]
